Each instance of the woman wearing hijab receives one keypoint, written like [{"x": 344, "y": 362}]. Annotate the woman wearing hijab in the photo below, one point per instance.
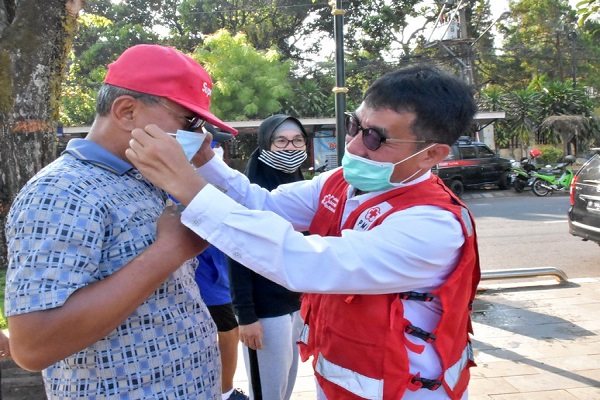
[{"x": 268, "y": 314}]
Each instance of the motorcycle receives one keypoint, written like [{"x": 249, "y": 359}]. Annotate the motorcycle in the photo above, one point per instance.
[
  {"x": 556, "y": 179},
  {"x": 521, "y": 174},
  {"x": 318, "y": 170}
]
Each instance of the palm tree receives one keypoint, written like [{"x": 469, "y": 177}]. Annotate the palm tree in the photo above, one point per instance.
[{"x": 571, "y": 130}]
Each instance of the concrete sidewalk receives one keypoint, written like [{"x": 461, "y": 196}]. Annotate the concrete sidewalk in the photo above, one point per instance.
[{"x": 539, "y": 340}]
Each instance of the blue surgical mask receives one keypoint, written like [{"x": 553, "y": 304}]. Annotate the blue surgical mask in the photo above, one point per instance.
[
  {"x": 190, "y": 141},
  {"x": 372, "y": 176}
]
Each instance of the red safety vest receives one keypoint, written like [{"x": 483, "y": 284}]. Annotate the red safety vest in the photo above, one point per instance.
[{"x": 359, "y": 342}]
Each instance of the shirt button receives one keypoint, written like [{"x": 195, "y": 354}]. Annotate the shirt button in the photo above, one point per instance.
[
  {"x": 196, "y": 222},
  {"x": 138, "y": 176},
  {"x": 237, "y": 254}
]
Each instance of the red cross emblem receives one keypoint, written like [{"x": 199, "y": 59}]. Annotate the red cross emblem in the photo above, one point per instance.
[{"x": 372, "y": 214}]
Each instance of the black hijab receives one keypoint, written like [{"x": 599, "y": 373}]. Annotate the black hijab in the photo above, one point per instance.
[{"x": 261, "y": 173}]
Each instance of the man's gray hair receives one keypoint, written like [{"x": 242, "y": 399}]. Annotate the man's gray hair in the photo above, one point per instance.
[{"x": 109, "y": 93}]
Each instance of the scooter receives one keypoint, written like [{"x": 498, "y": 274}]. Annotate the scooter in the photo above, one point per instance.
[
  {"x": 556, "y": 179},
  {"x": 521, "y": 174}
]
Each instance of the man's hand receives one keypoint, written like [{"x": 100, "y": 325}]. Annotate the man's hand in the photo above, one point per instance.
[
  {"x": 176, "y": 238},
  {"x": 162, "y": 161},
  {"x": 252, "y": 335}
]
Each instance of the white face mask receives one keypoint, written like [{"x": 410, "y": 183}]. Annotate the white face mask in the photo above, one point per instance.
[
  {"x": 190, "y": 141},
  {"x": 371, "y": 176}
]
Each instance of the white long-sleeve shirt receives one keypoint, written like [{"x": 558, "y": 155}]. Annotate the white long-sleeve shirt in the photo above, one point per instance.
[
  {"x": 411, "y": 250},
  {"x": 415, "y": 249}
]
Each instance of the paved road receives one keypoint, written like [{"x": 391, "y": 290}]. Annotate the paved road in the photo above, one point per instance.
[{"x": 520, "y": 230}]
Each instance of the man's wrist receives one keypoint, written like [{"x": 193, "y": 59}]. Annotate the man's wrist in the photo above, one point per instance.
[{"x": 202, "y": 158}]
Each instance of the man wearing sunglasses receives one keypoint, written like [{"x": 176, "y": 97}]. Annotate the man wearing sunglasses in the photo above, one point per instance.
[
  {"x": 390, "y": 267},
  {"x": 100, "y": 290}
]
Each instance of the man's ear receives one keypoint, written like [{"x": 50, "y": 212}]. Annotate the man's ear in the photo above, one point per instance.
[
  {"x": 123, "y": 111},
  {"x": 434, "y": 155}
]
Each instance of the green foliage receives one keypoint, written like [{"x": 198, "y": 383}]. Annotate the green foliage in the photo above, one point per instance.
[
  {"x": 78, "y": 98},
  {"x": 537, "y": 53},
  {"x": 375, "y": 28},
  {"x": 267, "y": 25},
  {"x": 561, "y": 98},
  {"x": 247, "y": 83},
  {"x": 586, "y": 9},
  {"x": 534, "y": 111},
  {"x": 522, "y": 109},
  {"x": 551, "y": 154},
  {"x": 311, "y": 97},
  {"x": 106, "y": 30},
  {"x": 542, "y": 38}
]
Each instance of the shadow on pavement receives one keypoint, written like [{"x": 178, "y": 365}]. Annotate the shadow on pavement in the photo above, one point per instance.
[{"x": 533, "y": 326}]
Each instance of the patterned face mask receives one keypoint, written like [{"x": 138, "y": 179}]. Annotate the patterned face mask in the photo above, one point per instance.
[{"x": 287, "y": 161}]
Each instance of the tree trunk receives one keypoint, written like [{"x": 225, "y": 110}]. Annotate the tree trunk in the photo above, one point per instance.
[{"x": 35, "y": 38}]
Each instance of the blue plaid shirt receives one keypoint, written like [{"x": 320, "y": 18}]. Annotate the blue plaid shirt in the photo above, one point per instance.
[{"x": 76, "y": 222}]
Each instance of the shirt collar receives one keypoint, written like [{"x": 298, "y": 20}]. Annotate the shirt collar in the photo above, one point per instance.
[{"x": 92, "y": 152}]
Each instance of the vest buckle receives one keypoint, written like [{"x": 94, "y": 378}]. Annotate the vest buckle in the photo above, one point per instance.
[
  {"x": 424, "y": 383},
  {"x": 420, "y": 333}
]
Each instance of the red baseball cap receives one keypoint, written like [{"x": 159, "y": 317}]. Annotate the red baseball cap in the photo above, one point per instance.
[{"x": 166, "y": 72}]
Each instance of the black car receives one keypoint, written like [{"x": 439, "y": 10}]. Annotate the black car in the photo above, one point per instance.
[
  {"x": 473, "y": 164},
  {"x": 584, "y": 213}
]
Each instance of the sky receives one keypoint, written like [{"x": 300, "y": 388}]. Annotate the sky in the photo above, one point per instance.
[{"x": 497, "y": 7}]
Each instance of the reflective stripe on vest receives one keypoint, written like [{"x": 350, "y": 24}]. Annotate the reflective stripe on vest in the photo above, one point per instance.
[
  {"x": 303, "y": 337},
  {"x": 352, "y": 381},
  {"x": 452, "y": 374}
]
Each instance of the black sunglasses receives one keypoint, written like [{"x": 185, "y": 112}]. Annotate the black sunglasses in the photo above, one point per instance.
[
  {"x": 372, "y": 137},
  {"x": 194, "y": 123}
]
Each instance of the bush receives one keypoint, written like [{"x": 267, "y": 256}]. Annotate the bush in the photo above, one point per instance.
[{"x": 551, "y": 154}]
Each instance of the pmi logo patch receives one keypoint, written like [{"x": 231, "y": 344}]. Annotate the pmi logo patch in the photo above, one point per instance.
[
  {"x": 330, "y": 202},
  {"x": 370, "y": 215}
]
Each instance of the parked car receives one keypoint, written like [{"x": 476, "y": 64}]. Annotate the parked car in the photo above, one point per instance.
[
  {"x": 473, "y": 164},
  {"x": 584, "y": 213}
]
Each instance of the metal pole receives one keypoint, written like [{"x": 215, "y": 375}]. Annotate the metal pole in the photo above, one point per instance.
[
  {"x": 467, "y": 66},
  {"x": 340, "y": 88}
]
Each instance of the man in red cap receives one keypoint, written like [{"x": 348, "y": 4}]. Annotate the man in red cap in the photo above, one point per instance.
[{"x": 100, "y": 292}]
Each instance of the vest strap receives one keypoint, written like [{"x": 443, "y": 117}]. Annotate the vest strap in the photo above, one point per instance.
[
  {"x": 416, "y": 296},
  {"x": 420, "y": 333},
  {"x": 424, "y": 383}
]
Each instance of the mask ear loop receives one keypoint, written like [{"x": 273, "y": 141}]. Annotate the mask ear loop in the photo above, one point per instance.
[
  {"x": 409, "y": 178},
  {"x": 409, "y": 157}
]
